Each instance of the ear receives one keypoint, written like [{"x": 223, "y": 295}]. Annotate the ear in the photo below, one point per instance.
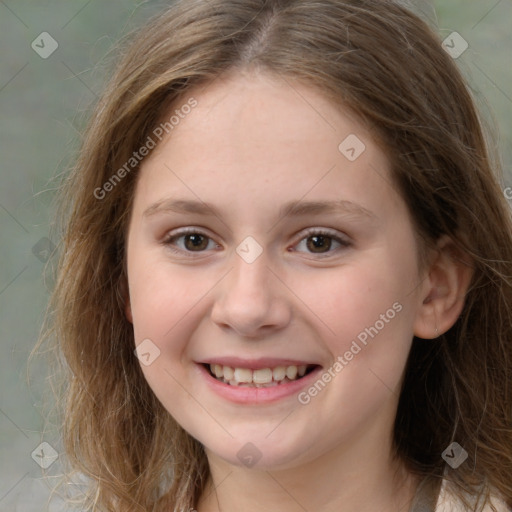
[
  {"x": 444, "y": 290},
  {"x": 125, "y": 294}
]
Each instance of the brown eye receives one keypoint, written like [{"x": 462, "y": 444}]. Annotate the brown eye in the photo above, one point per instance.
[
  {"x": 321, "y": 242},
  {"x": 191, "y": 241},
  {"x": 195, "y": 241}
]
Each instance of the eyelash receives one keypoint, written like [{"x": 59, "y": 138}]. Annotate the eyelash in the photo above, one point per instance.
[{"x": 344, "y": 244}]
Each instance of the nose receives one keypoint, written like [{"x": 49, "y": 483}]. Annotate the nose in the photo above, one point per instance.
[{"x": 252, "y": 300}]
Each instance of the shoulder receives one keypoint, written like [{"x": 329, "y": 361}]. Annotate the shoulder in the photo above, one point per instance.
[{"x": 448, "y": 502}]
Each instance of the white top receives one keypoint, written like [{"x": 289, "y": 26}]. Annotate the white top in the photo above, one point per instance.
[{"x": 448, "y": 503}]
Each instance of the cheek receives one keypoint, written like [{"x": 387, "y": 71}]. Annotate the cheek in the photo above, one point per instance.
[
  {"x": 352, "y": 298},
  {"x": 161, "y": 295},
  {"x": 366, "y": 315},
  {"x": 369, "y": 336},
  {"x": 165, "y": 300}
]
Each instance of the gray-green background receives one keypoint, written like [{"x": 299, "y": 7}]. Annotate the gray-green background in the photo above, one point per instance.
[{"x": 42, "y": 103}]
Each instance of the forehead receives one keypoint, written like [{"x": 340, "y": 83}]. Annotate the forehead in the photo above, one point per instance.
[
  {"x": 258, "y": 140},
  {"x": 267, "y": 108}
]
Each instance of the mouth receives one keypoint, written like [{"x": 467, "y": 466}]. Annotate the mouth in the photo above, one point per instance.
[{"x": 258, "y": 378}]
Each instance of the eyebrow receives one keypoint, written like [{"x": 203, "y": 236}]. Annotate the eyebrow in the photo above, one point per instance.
[{"x": 293, "y": 208}]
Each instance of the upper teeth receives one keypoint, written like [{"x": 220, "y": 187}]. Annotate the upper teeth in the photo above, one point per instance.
[{"x": 261, "y": 376}]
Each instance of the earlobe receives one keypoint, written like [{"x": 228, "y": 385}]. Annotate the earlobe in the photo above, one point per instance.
[{"x": 446, "y": 285}]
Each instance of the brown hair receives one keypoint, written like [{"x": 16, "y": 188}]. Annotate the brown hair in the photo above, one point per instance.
[{"x": 389, "y": 68}]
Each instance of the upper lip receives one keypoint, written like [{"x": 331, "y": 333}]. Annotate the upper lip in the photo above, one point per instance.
[{"x": 256, "y": 364}]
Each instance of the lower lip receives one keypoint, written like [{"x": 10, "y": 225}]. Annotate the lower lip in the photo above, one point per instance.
[{"x": 246, "y": 395}]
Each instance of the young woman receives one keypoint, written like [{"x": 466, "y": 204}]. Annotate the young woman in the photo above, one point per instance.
[{"x": 285, "y": 273}]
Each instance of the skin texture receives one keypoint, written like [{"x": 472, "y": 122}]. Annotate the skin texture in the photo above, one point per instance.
[{"x": 252, "y": 144}]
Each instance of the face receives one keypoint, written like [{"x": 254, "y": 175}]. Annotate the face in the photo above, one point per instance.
[{"x": 267, "y": 241}]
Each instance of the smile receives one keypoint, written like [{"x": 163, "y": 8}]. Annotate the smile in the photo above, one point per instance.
[{"x": 256, "y": 382}]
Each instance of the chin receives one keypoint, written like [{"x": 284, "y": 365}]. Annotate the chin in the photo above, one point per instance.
[{"x": 260, "y": 454}]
